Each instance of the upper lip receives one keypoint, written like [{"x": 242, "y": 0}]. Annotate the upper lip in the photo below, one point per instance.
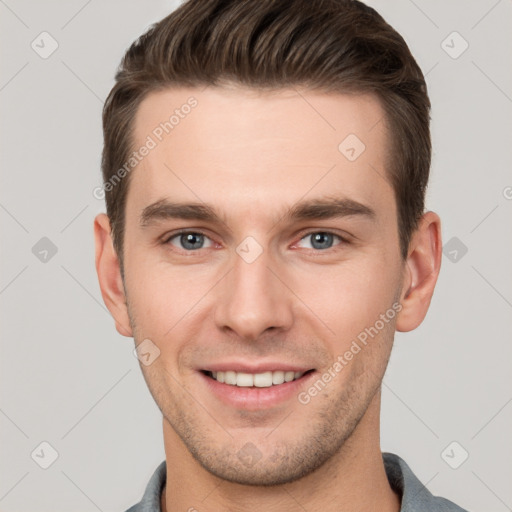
[{"x": 252, "y": 367}]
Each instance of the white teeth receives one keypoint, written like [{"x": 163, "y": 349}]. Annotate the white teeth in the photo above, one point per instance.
[
  {"x": 229, "y": 377},
  {"x": 277, "y": 377},
  {"x": 263, "y": 380},
  {"x": 289, "y": 376},
  {"x": 259, "y": 380},
  {"x": 245, "y": 380}
]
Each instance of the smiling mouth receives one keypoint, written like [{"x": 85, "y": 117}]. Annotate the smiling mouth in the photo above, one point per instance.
[{"x": 258, "y": 380}]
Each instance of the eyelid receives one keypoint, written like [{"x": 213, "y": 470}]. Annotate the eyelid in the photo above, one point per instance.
[
  {"x": 344, "y": 240},
  {"x": 331, "y": 231},
  {"x": 173, "y": 234}
]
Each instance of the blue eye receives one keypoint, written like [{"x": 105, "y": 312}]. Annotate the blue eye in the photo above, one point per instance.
[
  {"x": 189, "y": 240},
  {"x": 321, "y": 240}
]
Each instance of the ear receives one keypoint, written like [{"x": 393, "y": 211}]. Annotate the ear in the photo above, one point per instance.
[
  {"x": 109, "y": 275},
  {"x": 420, "y": 273}
]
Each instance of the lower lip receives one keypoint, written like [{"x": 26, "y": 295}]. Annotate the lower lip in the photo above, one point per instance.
[{"x": 253, "y": 398}]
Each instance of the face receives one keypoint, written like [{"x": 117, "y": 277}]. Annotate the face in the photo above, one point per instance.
[{"x": 289, "y": 255}]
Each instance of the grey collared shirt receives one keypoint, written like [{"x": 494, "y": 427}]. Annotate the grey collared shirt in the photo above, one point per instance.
[{"x": 415, "y": 496}]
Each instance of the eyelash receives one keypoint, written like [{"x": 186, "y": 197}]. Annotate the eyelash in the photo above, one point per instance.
[{"x": 343, "y": 241}]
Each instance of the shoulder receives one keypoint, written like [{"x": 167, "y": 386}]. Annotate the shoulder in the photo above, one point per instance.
[
  {"x": 150, "y": 501},
  {"x": 415, "y": 495}
]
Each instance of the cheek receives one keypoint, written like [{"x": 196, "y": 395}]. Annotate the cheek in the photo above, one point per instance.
[
  {"x": 164, "y": 298},
  {"x": 347, "y": 297}
]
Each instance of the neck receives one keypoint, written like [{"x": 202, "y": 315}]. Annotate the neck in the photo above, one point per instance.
[{"x": 354, "y": 479}]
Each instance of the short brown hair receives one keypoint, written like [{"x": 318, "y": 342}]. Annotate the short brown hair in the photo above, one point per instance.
[{"x": 329, "y": 45}]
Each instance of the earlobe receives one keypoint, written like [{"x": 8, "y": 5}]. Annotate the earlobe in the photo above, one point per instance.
[
  {"x": 421, "y": 272},
  {"x": 109, "y": 275}
]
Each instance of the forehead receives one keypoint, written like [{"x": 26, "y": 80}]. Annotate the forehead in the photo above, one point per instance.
[{"x": 249, "y": 150}]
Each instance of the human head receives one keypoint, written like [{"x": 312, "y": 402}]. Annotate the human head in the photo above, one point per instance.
[
  {"x": 328, "y": 45},
  {"x": 252, "y": 149}
]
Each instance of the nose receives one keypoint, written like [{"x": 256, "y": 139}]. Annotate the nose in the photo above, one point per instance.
[{"x": 254, "y": 298}]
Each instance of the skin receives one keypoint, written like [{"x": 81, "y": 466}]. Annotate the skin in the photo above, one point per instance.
[{"x": 252, "y": 156}]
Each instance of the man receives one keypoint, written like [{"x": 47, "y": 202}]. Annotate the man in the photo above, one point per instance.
[{"x": 265, "y": 166}]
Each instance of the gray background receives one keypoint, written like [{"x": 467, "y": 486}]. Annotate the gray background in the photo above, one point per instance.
[{"x": 69, "y": 379}]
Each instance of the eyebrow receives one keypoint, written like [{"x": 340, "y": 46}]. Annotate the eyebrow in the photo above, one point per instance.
[{"x": 315, "y": 209}]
